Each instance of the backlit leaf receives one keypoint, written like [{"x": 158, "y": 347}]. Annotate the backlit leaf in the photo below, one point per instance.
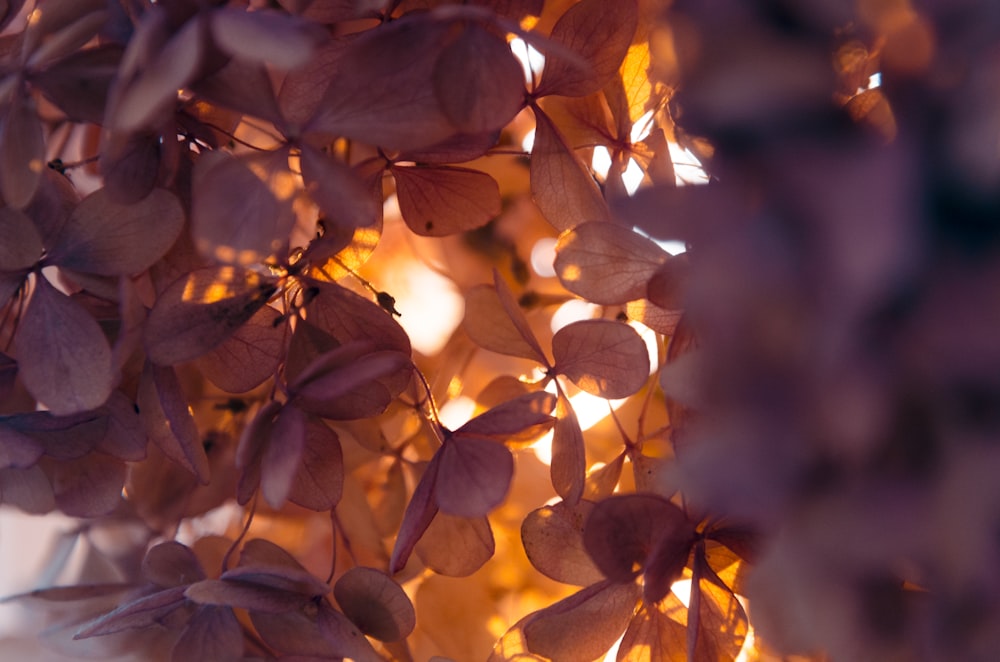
[
  {"x": 509, "y": 418},
  {"x": 319, "y": 482},
  {"x": 602, "y": 357},
  {"x": 249, "y": 356},
  {"x": 440, "y": 200},
  {"x": 474, "y": 476},
  {"x": 375, "y": 603},
  {"x": 653, "y": 636},
  {"x": 456, "y": 546},
  {"x": 584, "y": 625},
  {"x": 600, "y": 33},
  {"x": 63, "y": 357},
  {"x": 488, "y": 324},
  {"x": 241, "y": 207},
  {"x": 569, "y": 460},
  {"x": 419, "y": 513},
  {"x": 110, "y": 239},
  {"x": 553, "y": 540},
  {"x": 201, "y": 310},
  {"x": 717, "y": 622},
  {"x": 478, "y": 82},
  {"x": 561, "y": 184},
  {"x": 606, "y": 263},
  {"x": 624, "y": 530},
  {"x": 338, "y": 190}
]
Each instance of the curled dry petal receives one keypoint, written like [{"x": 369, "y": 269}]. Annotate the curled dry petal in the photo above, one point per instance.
[
  {"x": 266, "y": 36},
  {"x": 201, "y": 310},
  {"x": 22, "y": 152},
  {"x": 584, "y": 625},
  {"x": 606, "y": 263},
  {"x": 62, "y": 354},
  {"x": 602, "y": 357},
  {"x": 107, "y": 238},
  {"x": 436, "y": 201},
  {"x": 561, "y": 183},
  {"x": 478, "y": 82},
  {"x": 600, "y": 34},
  {"x": 375, "y": 603}
]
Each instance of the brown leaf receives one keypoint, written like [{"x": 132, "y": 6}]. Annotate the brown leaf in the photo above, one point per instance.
[
  {"x": 602, "y": 357},
  {"x": 382, "y": 95},
  {"x": 168, "y": 420},
  {"x": 436, "y": 201},
  {"x": 553, "y": 540},
  {"x": 110, "y": 239},
  {"x": 249, "y": 356},
  {"x": 22, "y": 152},
  {"x": 170, "y": 564},
  {"x": 343, "y": 197},
  {"x": 584, "y": 625},
  {"x": 140, "y": 613},
  {"x": 375, "y": 603},
  {"x": 456, "y": 546},
  {"x": 241, "y": 208},
  {"x": 600, "y": 34},
  {"x": 419, "y": 514},
  {"x": 63, "y": 357},
  {"x": 475, "y": 476},
  {"x": 606, "y": 263},
  {"x": 623, "y": 531},
  {"x": 569, "y": 460},
  {"x": 266, "y": 36},
  {"x": 487, "y": 323},
  {"x": 201, "y": 310},
  {"x": 21, "y": 247},
  {"x": 130, "y": 164},
  {"x": 154, "y": 69},
  {"x": 478, "y": 81},
  {"x": 282, "y": 456},
  {"x": 79, "y": 83},
  {"x": 561, "y": 184},
  {"x": 213, "y": 633},
  {"x": 27, "y": 489},
  {"x": 319, "y": 482}
]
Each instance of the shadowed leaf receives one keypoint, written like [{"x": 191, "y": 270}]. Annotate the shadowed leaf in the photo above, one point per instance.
[
  {"x": 553, "y": 540},
  {"x": 266, "y": 36},
  {"x": 375, "y": 603},
  {"x": 474, "y": 477},
  {"x": 22, "y": 152},
  {"x": 21, "y": 247},
  {"x": 213, "y": 633},
  {"x": 319, "y": 482},
  {"x": 456, "y": 546},
  {"x": 62, "y": 354}
]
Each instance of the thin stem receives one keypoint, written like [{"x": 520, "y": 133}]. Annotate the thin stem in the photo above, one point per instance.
[{"x": 243, "y": 533}]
